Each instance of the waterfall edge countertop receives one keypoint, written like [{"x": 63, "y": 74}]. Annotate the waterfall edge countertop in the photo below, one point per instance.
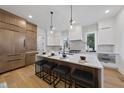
[{"x": 91, "y": 59}]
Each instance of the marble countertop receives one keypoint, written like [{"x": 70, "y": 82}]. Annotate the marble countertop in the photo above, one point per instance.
[{"x": 91, "y": 59}]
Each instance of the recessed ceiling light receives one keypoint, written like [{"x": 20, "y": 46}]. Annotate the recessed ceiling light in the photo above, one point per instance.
[
  {"x": 30, "y": 16},
  {"x": 107, "y": 11}
]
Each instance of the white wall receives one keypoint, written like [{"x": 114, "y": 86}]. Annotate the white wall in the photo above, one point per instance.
[
  {"x": 41, "y": 40},
  {"x": 119, "y": 24}
]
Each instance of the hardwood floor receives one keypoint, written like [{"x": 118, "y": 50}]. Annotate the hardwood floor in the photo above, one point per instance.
[
  {"x": 25, "y": 78},
  {"x": 113, "y": 79}
]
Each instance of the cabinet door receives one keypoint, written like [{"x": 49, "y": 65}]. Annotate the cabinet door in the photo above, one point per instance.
[
  {"x": 31, "y": 40},
  {"x": 30, "y": 58},
  {"x": 19, "y": 38},
  {"x": 4, "y": 64},
  {"x": 106, "y": 23},
  {"x": 106, "y": 36},
  {"x": 6, "y": 42}
]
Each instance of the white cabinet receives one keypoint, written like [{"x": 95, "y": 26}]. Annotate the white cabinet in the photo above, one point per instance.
[
  {"x": 106, "y": 23},
  {"x": 106, "y": 32},
  {"x": 75, "y": 33},
  {"x": 106, "y": 37},
  {"x": 53, "y": 39}
]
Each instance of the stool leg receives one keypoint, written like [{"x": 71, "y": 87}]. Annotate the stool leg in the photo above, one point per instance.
[
  {"x": 50, "y": 77},
  {"x": 75, "y": 83},
  {"x": 35, "y": 69},
  {"x": 40, "y": 71},
  {"x": 43, "y": 73},
  {"x": 65, "y": 80}
]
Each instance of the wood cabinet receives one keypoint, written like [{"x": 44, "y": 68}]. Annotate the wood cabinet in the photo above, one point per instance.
[
  {"x": 6, "y": 42},
  {"x": 31, "y": 43},
  {"x": 31, "y": 37},
  {"x": 30, "y": 58},
  {"x": 13, "y": 36}
]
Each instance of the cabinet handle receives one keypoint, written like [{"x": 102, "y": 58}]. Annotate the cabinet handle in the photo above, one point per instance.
[
  {"x": 24, "y": 43},
  {"x": 106, "y": 28}
]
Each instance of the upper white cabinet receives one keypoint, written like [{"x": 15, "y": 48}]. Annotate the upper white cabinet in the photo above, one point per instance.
[
  {"x": 53, "y": 39},
  {"x": 75, "y": 33},
  {"x": 106, "y": 23},
  {"x": 106, "y": 32},
  {"x": 106, "y": 37}
]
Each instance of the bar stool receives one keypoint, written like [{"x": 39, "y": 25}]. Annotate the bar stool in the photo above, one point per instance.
[
  {"x": 62, "y": 73},
  {"x": 47, "y": 74},
  {"x": 82, "y": 78},
  {"x": 38, "y": 67}
]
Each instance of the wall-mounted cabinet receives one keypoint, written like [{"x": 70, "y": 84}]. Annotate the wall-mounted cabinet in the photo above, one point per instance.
[
  {"x": 106, "y": 23},
  {"x": 106, "y": 37},
  {"x": 106, "y": 32},
  {"x": 75, "y": 33}
]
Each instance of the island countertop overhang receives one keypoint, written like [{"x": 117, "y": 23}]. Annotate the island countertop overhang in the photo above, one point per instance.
[{"x": 91, "y": 59}]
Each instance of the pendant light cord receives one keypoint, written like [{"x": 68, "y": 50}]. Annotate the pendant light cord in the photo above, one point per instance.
[
  {"x": 71, "y": 16},
  {"x": 71, "y": 12}
]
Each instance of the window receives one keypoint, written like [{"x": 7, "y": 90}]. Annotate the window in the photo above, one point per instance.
[{"x": 90, "y": 38}]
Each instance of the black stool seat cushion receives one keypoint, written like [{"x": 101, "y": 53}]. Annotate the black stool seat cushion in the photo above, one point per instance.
[
  {"x": 61, "y": 69},
  {"x": 49, "y": 65},
  {"x": 82, "y": 75},
  {"x": 40, "y": 62}
]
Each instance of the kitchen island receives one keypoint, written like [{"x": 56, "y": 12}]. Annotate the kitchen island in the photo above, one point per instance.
[{"x": 91, "y": 64}]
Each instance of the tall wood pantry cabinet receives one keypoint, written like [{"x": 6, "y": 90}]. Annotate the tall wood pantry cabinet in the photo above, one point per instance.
[
  {"x": 31, "y": 43},
  {"x": 15, "y": 41}
]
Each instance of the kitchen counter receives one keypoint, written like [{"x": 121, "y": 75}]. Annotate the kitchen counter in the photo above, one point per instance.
[
  {"x": 91, "y": 59},
  {"x": 91, "y": 62}
]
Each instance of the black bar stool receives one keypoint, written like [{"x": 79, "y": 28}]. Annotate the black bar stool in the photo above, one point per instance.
[
  {"x": 82, "y": 78},
  {"x": 62, "y": 73},
  {"x": 47, "y": 74},
  {"x": 38, "y": 67}
]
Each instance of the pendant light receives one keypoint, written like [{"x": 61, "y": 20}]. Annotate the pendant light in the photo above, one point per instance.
[
  {"x": 51, "y": 26},
  {"x": 71, "y": 20}
]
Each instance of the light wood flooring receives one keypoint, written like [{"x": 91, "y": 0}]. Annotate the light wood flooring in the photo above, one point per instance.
[{"x": 25, "y": 78}]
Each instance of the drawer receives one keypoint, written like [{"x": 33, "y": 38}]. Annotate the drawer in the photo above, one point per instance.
[
  {"x": 15, "y": 57},
  {"x": 2, "y": 59},
  {"x": 17, "y": 63},
  {"x": 10, "y": 62},
  {"x": 5, "y": 67}
]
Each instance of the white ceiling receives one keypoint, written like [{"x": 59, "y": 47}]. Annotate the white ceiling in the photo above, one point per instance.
[{"x": 82, "y": 14}]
